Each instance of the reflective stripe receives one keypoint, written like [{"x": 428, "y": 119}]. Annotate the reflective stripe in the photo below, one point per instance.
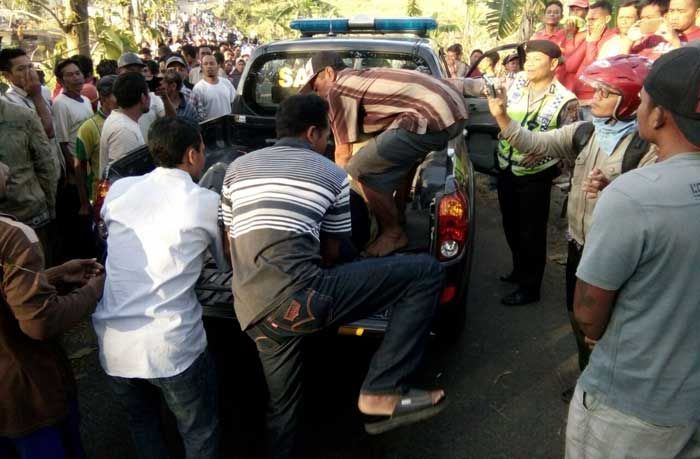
[{"x": 545, "y": 117}]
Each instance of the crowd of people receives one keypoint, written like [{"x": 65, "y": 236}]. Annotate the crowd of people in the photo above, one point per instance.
[{"x": 620, "y": 106}]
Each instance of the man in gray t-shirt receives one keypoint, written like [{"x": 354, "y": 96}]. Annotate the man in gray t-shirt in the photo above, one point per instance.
[{"x": 638, "y": 293}]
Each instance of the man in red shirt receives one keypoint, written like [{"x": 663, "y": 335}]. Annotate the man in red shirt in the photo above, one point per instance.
[
  {"x": 599, "y": 16},
  {"x": 553, "y": 13},
  {"x": 682, "y": 15}
]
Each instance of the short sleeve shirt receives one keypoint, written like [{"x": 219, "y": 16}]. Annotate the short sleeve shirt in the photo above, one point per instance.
[
  {"x": 69, "y": 115},
  {"x": 276, "y": 203},
  {"x": 372, "y": 100},
  {"x": 120, "y": 135},
  {"x": 642, "y": 244},
  {"x": 87, "y": 148}
]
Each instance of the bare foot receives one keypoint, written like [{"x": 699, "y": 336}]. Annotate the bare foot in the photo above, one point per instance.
[
  {"x": 383, "y": 405},
  {"x": 386, "y": 243}
]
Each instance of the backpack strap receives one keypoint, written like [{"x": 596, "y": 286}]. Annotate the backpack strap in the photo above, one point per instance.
[
  {"x": 582, "y": 135},
  {"x": 636, "y": 150}
]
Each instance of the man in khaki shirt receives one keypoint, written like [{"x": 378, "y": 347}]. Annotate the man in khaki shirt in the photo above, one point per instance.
[{"x": 601, "y": 152}]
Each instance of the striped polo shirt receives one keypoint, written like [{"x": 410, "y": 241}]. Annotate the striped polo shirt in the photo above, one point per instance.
[
  {"x": 373, "y": 100},
  {"x": 276, "y": 204}
]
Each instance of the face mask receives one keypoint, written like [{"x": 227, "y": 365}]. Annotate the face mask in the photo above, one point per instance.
[{"x": 609, "y": 135}]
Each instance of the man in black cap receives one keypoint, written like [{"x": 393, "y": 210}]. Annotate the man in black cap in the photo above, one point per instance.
[
  {"x": 638, "y": 289},
  {"x": 538, "y": 101},
  {"x": 406, "y": 113}
]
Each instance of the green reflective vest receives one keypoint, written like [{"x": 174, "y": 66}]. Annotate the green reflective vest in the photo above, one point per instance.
[{"x": 539, "y": 117}]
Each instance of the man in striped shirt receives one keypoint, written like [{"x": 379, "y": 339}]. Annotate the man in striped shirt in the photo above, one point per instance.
[
  {"x": 407, "y": 113},
  {"x": 286, "y": 210}
]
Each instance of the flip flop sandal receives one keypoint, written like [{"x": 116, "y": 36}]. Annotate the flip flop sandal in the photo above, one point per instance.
[{"x": 416, "y": 405}]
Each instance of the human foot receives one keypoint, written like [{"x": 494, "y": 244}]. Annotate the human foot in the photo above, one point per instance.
[
  {"x": 387, "y": 243},
  {"x": 384, "y": 405}
]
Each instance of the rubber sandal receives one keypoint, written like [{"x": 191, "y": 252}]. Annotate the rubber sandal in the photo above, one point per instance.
[{"x": 415, "y": 406}]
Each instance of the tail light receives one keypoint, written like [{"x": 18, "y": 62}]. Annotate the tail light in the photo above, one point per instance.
[
  {"x": 100, "y": 195},
  {"x": 453, "y": 226}
]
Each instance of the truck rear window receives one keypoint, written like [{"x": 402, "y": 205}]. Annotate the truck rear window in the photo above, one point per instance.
[{"x": 276, "y": 76}]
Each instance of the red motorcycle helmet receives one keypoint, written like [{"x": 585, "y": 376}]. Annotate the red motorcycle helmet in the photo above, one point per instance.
[{"x": 622, "y": 75}]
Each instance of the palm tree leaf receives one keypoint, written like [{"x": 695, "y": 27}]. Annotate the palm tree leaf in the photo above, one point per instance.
[{"x": 504, "y": 17}]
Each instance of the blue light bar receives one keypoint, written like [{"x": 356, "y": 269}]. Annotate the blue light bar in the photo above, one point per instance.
[
  {"x": 309, "y": 27},
  {"x": 320, "y": 26}
]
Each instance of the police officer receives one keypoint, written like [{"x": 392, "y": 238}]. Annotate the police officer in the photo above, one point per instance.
[
  {"x": 602, "y": 150},
  {"x": 538, "y": 102}
]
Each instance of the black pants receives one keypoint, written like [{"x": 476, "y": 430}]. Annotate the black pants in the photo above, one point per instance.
[
  {"x": 75, "y": 237},
  {"x": 572, "y": 262},
  {"x": 524, "y": 203},
  {"x": 409, "y": 284}
]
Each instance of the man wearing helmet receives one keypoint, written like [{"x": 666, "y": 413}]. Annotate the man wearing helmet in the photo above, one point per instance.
[
  {"x": 638, "y": 288},
  {"x": 602, "y": 150}
]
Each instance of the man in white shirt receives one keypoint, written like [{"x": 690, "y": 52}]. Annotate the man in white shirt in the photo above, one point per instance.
[
  {"x": 149, "y": 321},
  {"x": 70, "y": 111},
  {"x": 130, "y": 62},
  {"x": 70, "y": 108},
  {"x": 212, "y": 96},
  {"x": 121, "y": 132}
]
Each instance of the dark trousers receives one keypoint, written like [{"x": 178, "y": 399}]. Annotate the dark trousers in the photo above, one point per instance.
[
  {"x": 524, "y": 203},
  {"x": 192, "y": 397},
  {"x": 408, "y": 284},
  {"x": 61, "y": 441},
  {"x": 572, "y": 261},
  {"x": 74, "y": 233}
]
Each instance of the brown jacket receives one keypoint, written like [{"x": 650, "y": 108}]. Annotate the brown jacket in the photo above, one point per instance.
[
  {"x": 36, "y": 382},
  {"x": 559, "y": 143}
]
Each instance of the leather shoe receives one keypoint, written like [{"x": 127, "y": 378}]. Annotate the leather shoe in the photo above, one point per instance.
[
  {"x": 520, "y": 297},
  {"x": 510, "y": 278}
]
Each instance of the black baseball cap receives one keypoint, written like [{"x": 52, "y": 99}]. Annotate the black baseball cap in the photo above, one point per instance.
[
  {"x": 105, "y": 85},
  {"x": 319, "y": 62},
  {"x": 674, "y": 84},
  {"x": 545, "y": 47}
]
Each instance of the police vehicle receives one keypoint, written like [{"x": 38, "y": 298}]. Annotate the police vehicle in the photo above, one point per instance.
[{"x": 441, "y": 214}]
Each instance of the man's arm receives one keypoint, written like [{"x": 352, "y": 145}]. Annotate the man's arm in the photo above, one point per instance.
[
  {"x": 330, "y": 252},
  {"x": 336, "y": 226},
  {"x": 62, "y": 114},
  {"x": 343, "y": 153},
  {"x": 34, "y": 302},
  {"x": 468, "y": 87},
  {"x": 592, "y": 308},
  {"x": 610, "y": 258},
  {"x": 558, "y": 143},
  {"x": 80, "y": 164},
  {"x": 42, "y": 156},
  {"x": 42, "y": 108}
]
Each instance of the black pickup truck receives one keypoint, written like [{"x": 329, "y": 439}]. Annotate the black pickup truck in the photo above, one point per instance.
[{"x": 441, "y": 213}]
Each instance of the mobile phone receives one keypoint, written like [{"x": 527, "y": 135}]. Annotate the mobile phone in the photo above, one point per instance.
[
  {"x": 650, "y": 25},
  {"x": 490, "y": 85}
]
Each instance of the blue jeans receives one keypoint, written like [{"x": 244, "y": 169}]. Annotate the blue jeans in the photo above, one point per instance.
[
  {"x": 409, "y": 284},
  {"x": 61, "y": 441},
  {"x": 192, "y": 397}
]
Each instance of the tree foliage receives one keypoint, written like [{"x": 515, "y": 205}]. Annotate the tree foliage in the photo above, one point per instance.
[
  {"x": 513, "y": 18},
  {"x": 269, "y": 20}
]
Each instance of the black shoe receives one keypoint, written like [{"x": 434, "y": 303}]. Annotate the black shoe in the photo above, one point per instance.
[
  {"x": 520, "y": 297},
  {"x": 510, "y": 278},
  {"x": 567, "y": 395}
]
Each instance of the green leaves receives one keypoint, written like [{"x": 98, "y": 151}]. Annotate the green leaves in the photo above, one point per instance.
[{"x": 505, "y": 18}]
